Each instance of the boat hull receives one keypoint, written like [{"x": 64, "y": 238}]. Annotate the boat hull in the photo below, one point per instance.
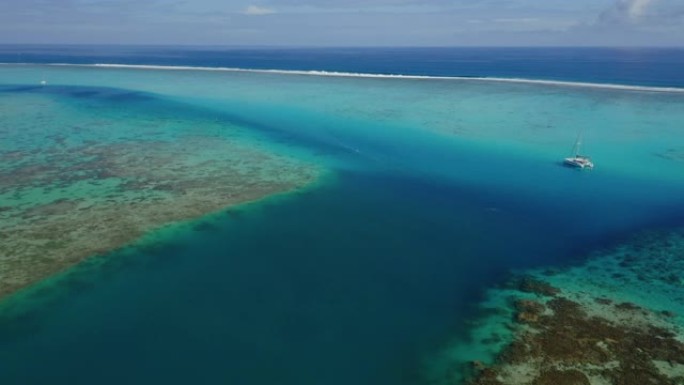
[{"x": 581, "y": 162}]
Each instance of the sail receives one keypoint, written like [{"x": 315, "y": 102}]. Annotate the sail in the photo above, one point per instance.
[{"x": 578, "y": 144}]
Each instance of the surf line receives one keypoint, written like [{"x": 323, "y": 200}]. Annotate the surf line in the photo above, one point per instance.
[{"x": 561, "y": 83}]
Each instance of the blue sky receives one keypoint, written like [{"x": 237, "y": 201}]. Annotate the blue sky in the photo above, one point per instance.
[{"x": 345, "y": 23}]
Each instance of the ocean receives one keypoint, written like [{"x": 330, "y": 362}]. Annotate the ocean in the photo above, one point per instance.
[
  {"x": 632, "y": 66},
  {"x": 441, "y": 175}
]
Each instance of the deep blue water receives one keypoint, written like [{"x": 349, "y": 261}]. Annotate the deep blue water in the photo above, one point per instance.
[
  {"x": 352, "y": 282},
  {"x": 632, "y": 66}
]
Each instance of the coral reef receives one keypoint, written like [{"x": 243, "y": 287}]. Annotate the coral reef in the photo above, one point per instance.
[
  {"x": 76, "y": 182},
  {"x": 558, "y": 343},
  {"x": 529, "y": 284},
  {"x": 615, "y": 318}
]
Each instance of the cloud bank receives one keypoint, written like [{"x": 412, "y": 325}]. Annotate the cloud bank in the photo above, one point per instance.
[
  {"x": 345, "y": 22},
  {"x": 626, "y": 11},
  {"x": 255, "y": 10}
]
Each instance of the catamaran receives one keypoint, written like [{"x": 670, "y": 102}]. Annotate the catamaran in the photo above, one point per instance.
[{"x": 577, "y": 160}]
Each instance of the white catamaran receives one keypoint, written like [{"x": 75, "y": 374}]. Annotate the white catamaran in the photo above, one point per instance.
[{"x": 577, "y": 160}]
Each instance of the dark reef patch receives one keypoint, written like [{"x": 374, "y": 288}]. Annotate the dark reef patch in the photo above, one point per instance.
[
  {"x": 568, "y": 346},
  {"x": 609, "y": 320},
  {"x": 529, "y": 284}
]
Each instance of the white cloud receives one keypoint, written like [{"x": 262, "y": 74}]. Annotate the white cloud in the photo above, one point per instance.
[
  {"x": 255, "y": 10},
  {"x": 523, "y": 20},
  {"x": 631, "y": 11},
  {"x": 636, "y": 8}
]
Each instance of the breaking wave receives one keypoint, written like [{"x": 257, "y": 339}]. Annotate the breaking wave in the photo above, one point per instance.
[{"x": 560, "y": 83}]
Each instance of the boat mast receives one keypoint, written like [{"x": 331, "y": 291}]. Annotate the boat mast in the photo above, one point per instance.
[{"x": 578, "y": 143}]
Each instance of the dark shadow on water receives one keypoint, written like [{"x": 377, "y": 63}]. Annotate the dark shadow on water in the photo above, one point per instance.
[
  {"x": 13, "y": 89},
  {"x": 156, "y": 248},
  {"x": 89, "y": 94},
  {"x": 206, "y": 226},
  {"x": 234, "y": 213}
]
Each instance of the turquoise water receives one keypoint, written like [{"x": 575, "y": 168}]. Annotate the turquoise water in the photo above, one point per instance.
[{"x": 438, "y": 189}]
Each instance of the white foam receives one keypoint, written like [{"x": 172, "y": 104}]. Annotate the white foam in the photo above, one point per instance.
[{"x": 559, "y": 83}]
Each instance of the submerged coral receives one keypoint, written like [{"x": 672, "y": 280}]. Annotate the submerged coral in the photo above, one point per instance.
[
  {"x": 614, "y": 319},
  {"x": 565, "y": 344},
  {"x": 113, "y": 178}
]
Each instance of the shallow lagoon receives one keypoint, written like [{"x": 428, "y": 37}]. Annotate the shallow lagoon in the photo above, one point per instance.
[
  {"x": 438, "y": 189},
  {"x": 88, "y": 170}
]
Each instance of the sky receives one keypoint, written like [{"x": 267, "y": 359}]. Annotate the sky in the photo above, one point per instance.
[{"x": 345, "y": 23}]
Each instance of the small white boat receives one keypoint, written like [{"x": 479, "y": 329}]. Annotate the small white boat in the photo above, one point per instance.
[{"x": 577, "y": 160}]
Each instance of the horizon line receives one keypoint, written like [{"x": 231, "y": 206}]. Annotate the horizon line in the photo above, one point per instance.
[{"x": 295, "y": 46}]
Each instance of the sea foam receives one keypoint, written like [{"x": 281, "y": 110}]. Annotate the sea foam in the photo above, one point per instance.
[{"x": 559, "y": 83}]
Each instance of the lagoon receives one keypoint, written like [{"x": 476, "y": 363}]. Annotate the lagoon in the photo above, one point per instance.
[{"x": 430, "y": 191}]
